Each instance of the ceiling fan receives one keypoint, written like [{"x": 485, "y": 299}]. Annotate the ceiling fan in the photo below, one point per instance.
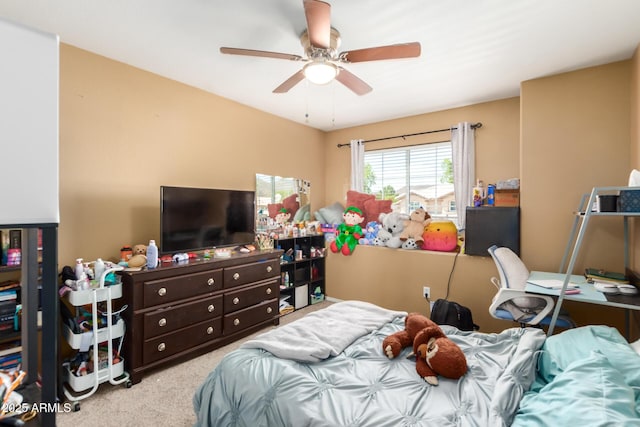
[{"x": 323, "y": 63}]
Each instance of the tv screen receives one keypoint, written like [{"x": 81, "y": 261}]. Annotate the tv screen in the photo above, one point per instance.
[{"x": 200, "y": 218}]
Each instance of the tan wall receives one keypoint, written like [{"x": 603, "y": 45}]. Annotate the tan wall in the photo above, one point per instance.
[
  {"x": 635, "y": 109},
  {"x": 575, "y": 135},
  {"x": 124, "y": 132},
  {"x": 635, "y": 138},
  {"x": 496, "y": 142},
  {"x": 571, "y": 133},
  {"x": 395, "y": 277}
]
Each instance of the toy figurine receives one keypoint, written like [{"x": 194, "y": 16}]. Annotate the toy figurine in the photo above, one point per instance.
[
  {"x": 282, "y": 217},
  {"x": 349, "y": 232}
]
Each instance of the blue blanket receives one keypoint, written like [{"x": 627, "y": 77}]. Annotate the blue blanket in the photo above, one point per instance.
[{"x": 360, "y": 386}]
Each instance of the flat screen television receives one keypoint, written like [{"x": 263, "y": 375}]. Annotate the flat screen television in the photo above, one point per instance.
[{"x": 192, "y": 219}]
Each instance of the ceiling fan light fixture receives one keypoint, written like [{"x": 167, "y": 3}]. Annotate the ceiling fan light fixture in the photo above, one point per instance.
[{"x": 320, "y": 72}]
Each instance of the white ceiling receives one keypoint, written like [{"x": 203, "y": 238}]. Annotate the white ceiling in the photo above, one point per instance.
[{"x": 472, "y": 50}]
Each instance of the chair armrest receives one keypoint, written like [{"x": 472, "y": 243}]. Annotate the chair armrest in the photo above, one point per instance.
[{"x": 505, "y": 294}]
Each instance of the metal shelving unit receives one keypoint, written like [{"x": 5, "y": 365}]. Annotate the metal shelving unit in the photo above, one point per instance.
[{"x": 582, "y": 216}]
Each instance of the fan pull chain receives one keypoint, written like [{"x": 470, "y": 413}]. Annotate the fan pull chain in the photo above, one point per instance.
[
  {"x": 306, "y": 101},
  {"x": 333, "y": 104}
]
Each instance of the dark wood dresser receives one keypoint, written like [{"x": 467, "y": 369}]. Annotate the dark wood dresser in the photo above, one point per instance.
[{"x": 179, "y": 311}]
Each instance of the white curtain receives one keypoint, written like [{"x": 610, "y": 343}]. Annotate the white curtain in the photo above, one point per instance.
[
  {"x": 357, "y": 165},
  {"x": 464, "y": 170}
]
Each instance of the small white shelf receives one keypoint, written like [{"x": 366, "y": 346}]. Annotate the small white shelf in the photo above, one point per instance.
[
  {"x": 84, "y": 297},
  {"x": 84, "y": 382},
  {"x": 75, "y": 340}
]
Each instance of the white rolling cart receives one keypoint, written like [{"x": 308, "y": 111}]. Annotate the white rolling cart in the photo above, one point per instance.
[{"x": 103, "y": 370}]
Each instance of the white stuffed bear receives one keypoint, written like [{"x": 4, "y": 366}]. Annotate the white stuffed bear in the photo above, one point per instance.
[{"x": 392, "y": 225}]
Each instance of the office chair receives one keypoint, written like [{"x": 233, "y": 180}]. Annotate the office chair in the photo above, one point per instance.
[{"x": 512, "y": 302}]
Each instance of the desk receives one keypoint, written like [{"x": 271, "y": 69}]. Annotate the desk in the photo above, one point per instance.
[{"x": 587, "y": 293}]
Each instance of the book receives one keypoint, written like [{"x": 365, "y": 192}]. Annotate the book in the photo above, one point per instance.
[
  {"x": 15, "y": 239},
  {"x": 4, "y": 246},
  {"x": 8, "y": 295},
  {"x": 9, "y": 284},
  {"x": 603, "y": 276},
  {"x": 552, "y": 283}
]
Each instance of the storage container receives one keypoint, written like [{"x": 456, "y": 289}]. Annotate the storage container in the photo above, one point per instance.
[
  {"x": 629, "y": 201},
  {"x": 508, "y": 198}
]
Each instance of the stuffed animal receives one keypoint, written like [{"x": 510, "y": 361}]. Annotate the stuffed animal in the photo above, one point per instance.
[
  {"x": 414, "y": 226},
  {"x": 391, "y": 226},
  {"x": 139, "y": 257},
  {"x": 435, "y": 353},
  {"x": 370, "y": 233},
  {"x": 349, "y": 232},
  {"x": 410, "y": 244},
  {"x": 440, "y": 236}
]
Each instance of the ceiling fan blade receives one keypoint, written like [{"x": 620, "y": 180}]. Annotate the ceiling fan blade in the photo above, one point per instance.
[
  {"x": 318, "y": 14},
  {"x": 290, "y": 82},
  {"x": 354, "y": 83},
  {"x": 394, "y": 51},
  {"x": 260, "y": 53}
]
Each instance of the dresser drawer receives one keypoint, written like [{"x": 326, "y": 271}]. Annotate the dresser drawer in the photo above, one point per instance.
[
  {"x": 242, "y": 319},
  {"x": 237, "y": 300},
  {"x": 169, "y": 319},
  {"x": 241, "y": 275},
  {"x": 182, "y": 339},
  {"x": 179, "y": 287}
]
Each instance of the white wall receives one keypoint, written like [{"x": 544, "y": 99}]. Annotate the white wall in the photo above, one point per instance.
[{"x": 28, "y": 125}]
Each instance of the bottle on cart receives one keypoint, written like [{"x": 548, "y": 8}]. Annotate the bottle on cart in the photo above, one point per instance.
[
  {"x": 98, "y": 268},
  {"x": 152, "y": 254},
  {"x": 79, "y": 270}
]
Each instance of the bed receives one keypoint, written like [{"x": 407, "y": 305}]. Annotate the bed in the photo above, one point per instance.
[{"x": 328, "y": 369}]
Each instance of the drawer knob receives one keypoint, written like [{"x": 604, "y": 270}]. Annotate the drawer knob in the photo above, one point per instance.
[
  {"x": 269, "y": 291},
  {"x": 236, "y": 276},
  {"x": 210, "y": 308},
  {"x": 161, "y": 346},
  {"x": 236, "y": 300},
  {"x": 210, "y": 282},
  {"x": 269, "y": 268},
  {"x": 269, "y": 310},
  {"x": 209, "y": 330},
  {"x": 162, "y": 322},
  {"x": 162, "y": 291},
  {"x": 236, "y": 322}
]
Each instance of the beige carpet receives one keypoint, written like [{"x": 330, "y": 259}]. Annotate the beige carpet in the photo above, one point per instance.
[{"x": 162, "y": 398}]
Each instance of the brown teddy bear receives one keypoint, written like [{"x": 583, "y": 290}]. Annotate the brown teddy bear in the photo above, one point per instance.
[
  {"x": 139, "y": 257},
  {"x": 435, "y": 353},
  {"x": 414, "y": 226}
]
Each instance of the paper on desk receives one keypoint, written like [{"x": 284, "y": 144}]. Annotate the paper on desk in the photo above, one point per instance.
[{"x": 552, "y": 283}]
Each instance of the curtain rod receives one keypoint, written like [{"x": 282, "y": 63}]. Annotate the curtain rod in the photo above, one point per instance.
[{"x": 473, "y": 126}]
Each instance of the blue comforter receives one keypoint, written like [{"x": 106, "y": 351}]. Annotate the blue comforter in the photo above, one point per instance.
[
  {"x": 362, "y": 387},
  {"x": 588, "y": 377}
]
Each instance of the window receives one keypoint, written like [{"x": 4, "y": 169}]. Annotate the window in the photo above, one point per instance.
[{"x": 421, "y": 175}]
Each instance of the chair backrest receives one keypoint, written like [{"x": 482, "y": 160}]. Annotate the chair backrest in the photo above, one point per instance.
[{"x": 513, "y": 273}]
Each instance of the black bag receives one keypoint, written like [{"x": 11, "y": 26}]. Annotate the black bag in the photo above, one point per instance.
[{"x": 451, "y": 313}]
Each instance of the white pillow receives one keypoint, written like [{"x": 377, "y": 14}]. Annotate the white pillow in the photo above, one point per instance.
[
  {"x": 333, "y": 213},
  {"x": 636, "y": 346}
]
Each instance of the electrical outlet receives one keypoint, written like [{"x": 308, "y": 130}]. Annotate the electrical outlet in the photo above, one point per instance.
[{"x": 426, "y": 292}]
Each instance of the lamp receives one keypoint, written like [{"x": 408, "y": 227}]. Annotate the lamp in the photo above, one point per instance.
[{"x": 320, "y": 72}]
